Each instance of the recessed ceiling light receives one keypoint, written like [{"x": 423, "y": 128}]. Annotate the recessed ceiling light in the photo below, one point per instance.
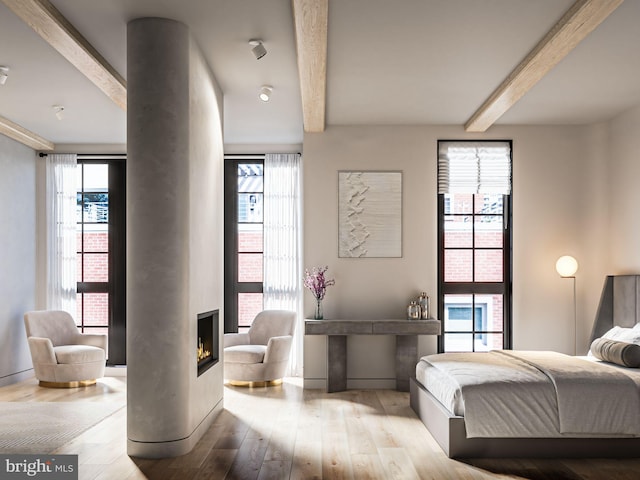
[
  {"x": 258, "y": 48},
  {"x": 4, "y": 74},
  {"x": 265, "y": 93}
]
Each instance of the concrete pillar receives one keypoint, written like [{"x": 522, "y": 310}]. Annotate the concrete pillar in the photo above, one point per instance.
[{"x": 158, "y": 343}]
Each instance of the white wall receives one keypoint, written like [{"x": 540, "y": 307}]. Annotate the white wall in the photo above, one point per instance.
[
  {"x": 624, "y": 159},
  {"x": 595, "y": 236},
  {"x": 550, "y": 169},
  {"x": 17, "y": 256},
  {"x": 206, "y": 214},
  {"x": 559, "y": 200}
]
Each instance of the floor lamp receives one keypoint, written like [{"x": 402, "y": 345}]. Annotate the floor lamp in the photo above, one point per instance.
[{"x": 567, "y": 266}]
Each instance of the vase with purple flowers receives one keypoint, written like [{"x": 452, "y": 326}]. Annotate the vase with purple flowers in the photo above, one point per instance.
[{"x": 317, "y": 284}]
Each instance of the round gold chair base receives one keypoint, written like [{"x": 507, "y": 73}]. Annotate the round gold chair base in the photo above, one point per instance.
[
  {"x": 81, "y": 383},
  {"x": 269, "y": 383}
]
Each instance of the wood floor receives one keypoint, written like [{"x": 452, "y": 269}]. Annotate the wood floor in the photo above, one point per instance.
[{"x": 287, "y": 432}]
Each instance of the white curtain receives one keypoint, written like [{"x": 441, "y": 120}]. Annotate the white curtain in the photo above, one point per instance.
[
  {"x": 282, "y": 283},
  {"x": 61, "y": 232}
]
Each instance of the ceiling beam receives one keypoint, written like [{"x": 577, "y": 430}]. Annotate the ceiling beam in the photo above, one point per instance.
[
  {"x": 310, "y": 20},
  {"x": 24, "y": 136},
  {"x": 54, "y": 28},
  {"x": 580, "y": 20}
]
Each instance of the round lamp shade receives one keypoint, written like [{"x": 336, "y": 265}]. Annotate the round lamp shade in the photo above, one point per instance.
[{"x": 567, "y": 266}]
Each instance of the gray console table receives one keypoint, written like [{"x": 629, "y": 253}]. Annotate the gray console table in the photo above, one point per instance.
[{"x": 406, "y": 332}]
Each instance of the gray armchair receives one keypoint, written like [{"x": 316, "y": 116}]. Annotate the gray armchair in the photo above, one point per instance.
[
  {"x": 260, "y": 356},
  {"x": 62, "y": 356}
]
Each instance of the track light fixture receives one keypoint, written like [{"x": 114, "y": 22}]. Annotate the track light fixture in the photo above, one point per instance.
[
  {"x": 265, "y": 93},
  {"x": 258, "y": 48},
  {"x": 4, "y": 74},
  {"x": 59, "y": 111}
]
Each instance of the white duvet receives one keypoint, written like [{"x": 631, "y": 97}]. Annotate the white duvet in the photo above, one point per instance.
[{"x": 534, "y": 394}]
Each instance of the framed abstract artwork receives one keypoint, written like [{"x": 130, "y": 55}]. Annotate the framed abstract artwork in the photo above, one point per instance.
[{"x": 369, "y": 214}]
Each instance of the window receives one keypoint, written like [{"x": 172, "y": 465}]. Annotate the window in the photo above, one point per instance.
[
  {"x": 244, "y": 194},
  {"x": 474, "y": 245},
  {"x": 101, "y": 244},
  {"x": 262, "y": 241}
]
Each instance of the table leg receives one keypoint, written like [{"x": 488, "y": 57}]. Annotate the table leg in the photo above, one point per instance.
[
  {"x": 336, "y": 363},
  {"x": 406, "y": 359}
]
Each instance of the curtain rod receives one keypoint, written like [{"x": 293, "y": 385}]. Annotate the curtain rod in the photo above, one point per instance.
[
  {"x": 85, "y": 155},
  {"x": 42, "y": 154},
  {"x": 252, "y": 155}
]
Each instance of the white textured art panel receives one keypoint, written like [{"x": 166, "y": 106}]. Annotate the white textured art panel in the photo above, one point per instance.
[{"x": 370, "y": 214}]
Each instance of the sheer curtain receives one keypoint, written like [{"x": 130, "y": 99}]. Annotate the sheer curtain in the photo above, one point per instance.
[
  {"x": 282, "y": 283},
  {"x": 61, "y": 232}
]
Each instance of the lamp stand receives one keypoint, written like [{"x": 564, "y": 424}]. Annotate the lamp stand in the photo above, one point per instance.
[
  {"x": 567, "y": 266},
  {"x": 575, "y": 319}
]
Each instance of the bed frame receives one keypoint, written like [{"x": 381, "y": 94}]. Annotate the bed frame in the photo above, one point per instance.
[{"x": 619, "y": 305}]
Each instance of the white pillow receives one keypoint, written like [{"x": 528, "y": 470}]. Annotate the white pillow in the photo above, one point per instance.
[{"x": 622, "y": 334}]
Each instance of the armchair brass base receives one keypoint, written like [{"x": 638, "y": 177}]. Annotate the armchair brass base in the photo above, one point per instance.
[
  {"x": 268, "y": 383},
  {"x": 81, "y": 383}
]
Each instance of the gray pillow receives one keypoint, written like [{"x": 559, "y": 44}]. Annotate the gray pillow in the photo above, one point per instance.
[{"x": 614, "y": 351}]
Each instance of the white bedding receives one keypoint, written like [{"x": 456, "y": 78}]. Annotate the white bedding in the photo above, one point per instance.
[{"x": 517, "y": 394}]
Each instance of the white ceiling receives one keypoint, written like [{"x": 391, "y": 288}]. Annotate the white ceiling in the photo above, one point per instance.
[{"x": 389, "y": 62}]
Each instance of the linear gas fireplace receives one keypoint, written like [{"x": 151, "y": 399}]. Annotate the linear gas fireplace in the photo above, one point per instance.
[{"x": 208, "y": 340}]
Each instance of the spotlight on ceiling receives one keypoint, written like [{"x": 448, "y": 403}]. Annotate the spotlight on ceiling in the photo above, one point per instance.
[
  {"x": 59, "y": 111},
  {"x": 265, "y": 93},
  {"x": 4, "y": 74},
  {"x": 258, "y": 48}
]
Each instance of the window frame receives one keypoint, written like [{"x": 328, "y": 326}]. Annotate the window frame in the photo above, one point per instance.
[
  {"x": 474, "y": 288},
  {"x": 115, "y": 287},
  {"x": 232, "y": 287}
]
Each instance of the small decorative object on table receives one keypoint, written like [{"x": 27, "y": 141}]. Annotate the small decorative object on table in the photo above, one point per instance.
[
  {"x": 425, "y": 308},
  {"x": 317, "y": 284},
  {"x": 413, "y": 311}
]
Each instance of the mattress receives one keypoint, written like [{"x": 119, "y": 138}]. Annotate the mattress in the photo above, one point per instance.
[
  {"x": 440, "y": 385},
  {"x": 534, "y": 394}
]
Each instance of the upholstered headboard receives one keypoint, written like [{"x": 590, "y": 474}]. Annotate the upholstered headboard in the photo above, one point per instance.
[{"x": 619, "y": 304}]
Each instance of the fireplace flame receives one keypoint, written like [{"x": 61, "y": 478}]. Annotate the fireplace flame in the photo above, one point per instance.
[{"x": 202, "y": 353}]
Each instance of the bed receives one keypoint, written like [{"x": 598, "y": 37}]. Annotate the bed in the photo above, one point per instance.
[{"x": 541, "y": 404}]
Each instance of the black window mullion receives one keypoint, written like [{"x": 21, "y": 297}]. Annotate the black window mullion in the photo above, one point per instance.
[
  {"x": 249, "y": 287},
  {"x": 473, "y": 305},
  {"x": 230, "y": 245},
  {"x": 117, "y": 225},
  {"x": 82, "y": 243},
  {"x": 441, "y": 253},
  {"x": 463, "y": 288},
  {"x": 93, "y": 287},
  {"x": 507, "y": 300},
  {"x": 473, "y": 251}
]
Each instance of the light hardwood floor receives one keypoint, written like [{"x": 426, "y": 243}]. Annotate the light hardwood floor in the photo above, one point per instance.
[{"x": 287, "y": 432}]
